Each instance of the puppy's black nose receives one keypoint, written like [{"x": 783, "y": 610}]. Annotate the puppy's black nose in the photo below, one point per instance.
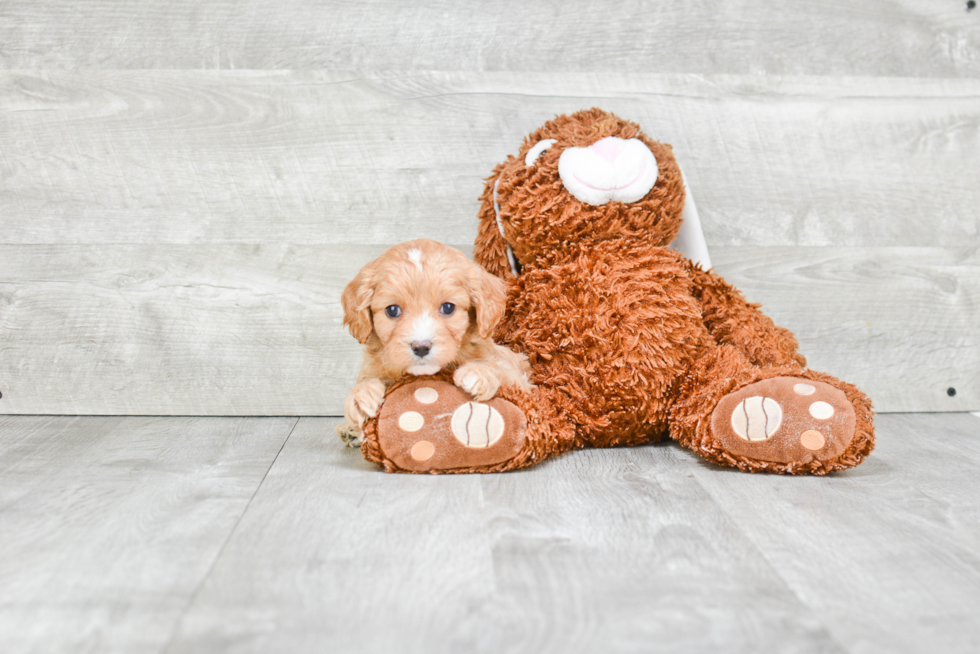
[{"x": 421, "y": 348}]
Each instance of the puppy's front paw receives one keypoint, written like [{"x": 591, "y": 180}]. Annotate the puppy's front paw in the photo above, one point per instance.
[
  {"x": 477, "y": 380},
  {"x": 350, "y": 434},
  {"x": 364, "y": 401}
]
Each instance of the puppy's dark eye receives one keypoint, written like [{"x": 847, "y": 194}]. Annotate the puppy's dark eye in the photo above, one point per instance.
[
  {"x": 393, "y": 311},
  {"x": 447, "y": 308}
]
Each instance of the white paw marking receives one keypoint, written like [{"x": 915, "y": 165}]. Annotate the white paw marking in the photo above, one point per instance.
[
  {"x": 426, "y": 395},
  {"x": 821, "y": 410},
  {"x": 757, "y": 418},
  {"x": 369, "y": 406},
  {"x": 477, "y": 425},
  {"x": 411, "y": 421},
  {"x": 804, "y": 389},
  {"x": 469, "y": 381}
]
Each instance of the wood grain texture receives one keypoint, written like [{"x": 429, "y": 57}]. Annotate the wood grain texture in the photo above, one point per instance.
[
  {"x": 825, "y": 37},
  {"x": 619, "y": 550},
  {"x": 256, "y": 330},
  {"x": 636, "y": 549},
  {"x": 110, "y": 525},
  {"x": 900, "y": 323},
  {"x": 148, "y": 534},
  {"x": 886, "y": 554},
  {"x": 333, "y": 555},
  {"x": 176, "y": 330},
  {"x": 374, "y": 158}
]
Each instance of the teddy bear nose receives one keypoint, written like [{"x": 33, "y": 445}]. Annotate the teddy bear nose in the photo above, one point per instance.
[
  {"x": 609, "y": 148},
  {"x": 421, "y": 348}
]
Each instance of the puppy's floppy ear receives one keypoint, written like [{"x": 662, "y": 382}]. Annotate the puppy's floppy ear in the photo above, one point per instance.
[
  {"x": 357, "y": 303},
  {"x": 488, "y": 294}
]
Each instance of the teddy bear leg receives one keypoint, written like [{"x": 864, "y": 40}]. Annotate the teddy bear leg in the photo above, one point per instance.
[
  {"x": 432, "y": 426},
  {"x": 779, "y": 419}
]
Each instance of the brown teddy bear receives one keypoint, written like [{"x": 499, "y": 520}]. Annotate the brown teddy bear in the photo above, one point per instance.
[{"x": 627, "y": 339}]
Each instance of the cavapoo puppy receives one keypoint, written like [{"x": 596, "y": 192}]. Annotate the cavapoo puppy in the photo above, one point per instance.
[{"x": 419, "y": 308}]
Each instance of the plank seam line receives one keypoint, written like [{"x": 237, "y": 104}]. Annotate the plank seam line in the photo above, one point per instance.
[
  {"x": 813, "y": 613},
  {"x": 224, "y": 545}
]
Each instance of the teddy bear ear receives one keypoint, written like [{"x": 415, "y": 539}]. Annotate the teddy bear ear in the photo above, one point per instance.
[
  {"x": 356, "y": 300},
  {"x": 490, "y": 250}
]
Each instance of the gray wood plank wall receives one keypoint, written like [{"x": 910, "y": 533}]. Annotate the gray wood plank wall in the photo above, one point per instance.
[
  {"x": 174, "y": 240},
  {"x": 920, "y": 38}
]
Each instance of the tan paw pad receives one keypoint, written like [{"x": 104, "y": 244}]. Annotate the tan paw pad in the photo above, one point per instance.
[
  {"x": 432, "y": 425},
  {"x": 785, "y": 420},
  {"x": 423, "y": 451},
  {"x": 812, "y": 440}
]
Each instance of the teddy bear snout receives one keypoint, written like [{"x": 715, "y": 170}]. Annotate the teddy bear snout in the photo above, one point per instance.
[
  {"x": 609, "y": 148},
  {"x": 611, "y": 169}
]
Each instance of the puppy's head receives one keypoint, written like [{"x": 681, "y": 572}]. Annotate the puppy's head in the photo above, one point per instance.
[{"x": 422, "y": 300}]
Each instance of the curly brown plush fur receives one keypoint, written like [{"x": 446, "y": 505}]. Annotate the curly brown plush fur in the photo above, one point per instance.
[{"x": 628, "y": 340}]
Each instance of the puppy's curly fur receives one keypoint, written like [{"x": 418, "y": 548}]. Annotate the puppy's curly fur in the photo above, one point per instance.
[{"x": 419, "y": 308}]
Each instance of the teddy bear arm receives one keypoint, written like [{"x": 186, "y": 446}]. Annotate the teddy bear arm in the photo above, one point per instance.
[{"x": 731, "y": 320}]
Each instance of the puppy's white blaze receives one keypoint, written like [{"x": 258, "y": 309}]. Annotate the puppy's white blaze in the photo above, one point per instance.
[
  {"x": 423, "y": 328},
  {"x": 415, "y": 256}
]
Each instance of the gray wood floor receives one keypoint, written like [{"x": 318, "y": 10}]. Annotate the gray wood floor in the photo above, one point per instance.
[
  {"x": 186, "y": 186},
  {"x": 131, "y": 534}
]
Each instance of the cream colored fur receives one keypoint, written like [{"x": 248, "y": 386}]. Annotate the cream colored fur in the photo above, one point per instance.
[{"x": 420, "y": 277}]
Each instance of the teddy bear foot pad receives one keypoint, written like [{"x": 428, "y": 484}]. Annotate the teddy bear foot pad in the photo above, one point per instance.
[
  {"x": 785, "y": 420},
  {"x": 429, "y": 426}
]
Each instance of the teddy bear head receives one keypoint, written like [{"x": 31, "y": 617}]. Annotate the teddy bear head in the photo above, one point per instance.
[{"x": 588, "y": 177}]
